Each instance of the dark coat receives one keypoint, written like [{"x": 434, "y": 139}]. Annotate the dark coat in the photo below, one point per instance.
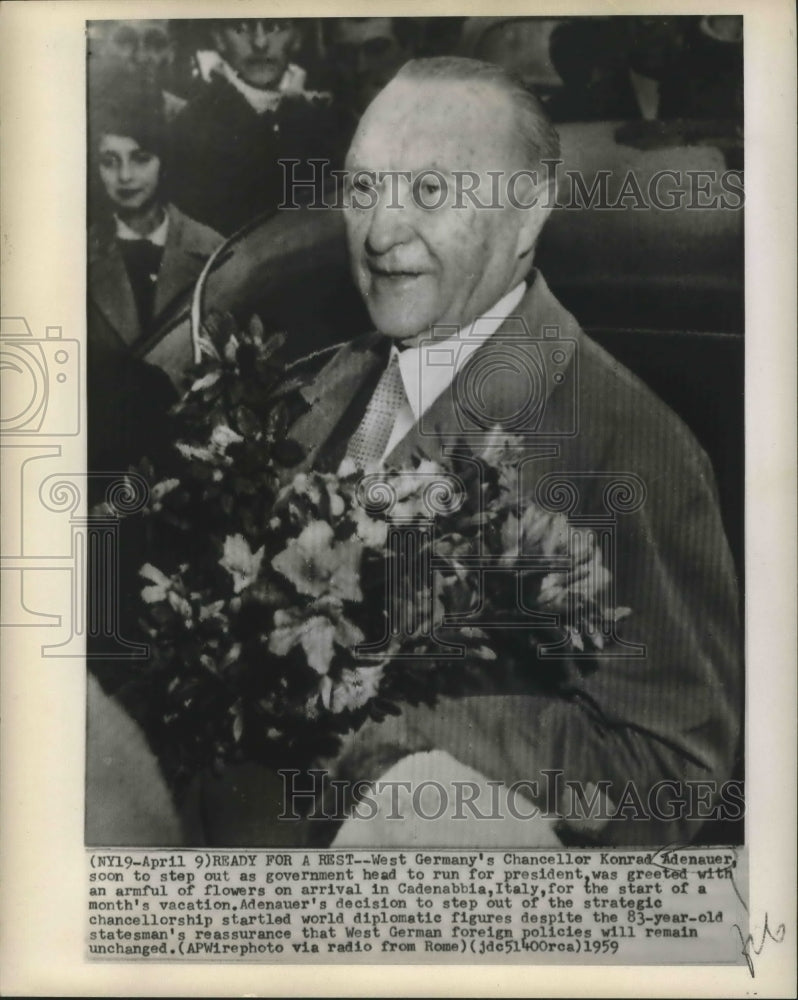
[
  {"x": 671, "y": 712},
  {"x": 112, "y": 317},
  {"x": 225, "y": 167}
]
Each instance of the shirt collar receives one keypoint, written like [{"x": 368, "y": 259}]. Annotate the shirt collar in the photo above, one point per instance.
[
  {"x": 211, "y": 64},
  {"x": 157, "y": 237},
  {"x": 429, "y": 368}
]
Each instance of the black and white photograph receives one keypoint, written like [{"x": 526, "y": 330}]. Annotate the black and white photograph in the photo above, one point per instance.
[
  {"x": 398, "y": 453},
  {"x": 421, "y": 340}
]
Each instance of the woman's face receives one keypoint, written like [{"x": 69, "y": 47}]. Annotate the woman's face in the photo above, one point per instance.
[{"x": 130, "y": 174}]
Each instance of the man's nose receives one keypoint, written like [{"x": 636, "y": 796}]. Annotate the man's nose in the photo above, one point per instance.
[
  {"x": 125, "y": 172},
  {"x": 260, "y": 36},
  {"x": 389, "y": 225}
]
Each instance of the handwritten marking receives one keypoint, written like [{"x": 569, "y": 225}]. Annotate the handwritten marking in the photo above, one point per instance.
[{"x": 747, "y": 942}]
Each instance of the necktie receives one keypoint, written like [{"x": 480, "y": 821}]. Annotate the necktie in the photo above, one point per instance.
[
  {"x": 142, "y": 261},
  {"x": 367, "y": 445}
]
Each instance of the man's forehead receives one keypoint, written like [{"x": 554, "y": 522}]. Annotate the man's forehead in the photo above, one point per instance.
[{"x": 458, "y": 124}]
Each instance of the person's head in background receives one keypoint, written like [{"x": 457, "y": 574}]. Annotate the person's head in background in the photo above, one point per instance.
[
  {"x": 656, "y": 45},
  {"x": 258, "y": 50},
  {"x": 141, "y": 46},
  {"x": 366, "y": 53},
  {"x": 129, "y": 149}
]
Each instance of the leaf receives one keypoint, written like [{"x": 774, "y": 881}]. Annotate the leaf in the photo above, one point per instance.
[
  {"x": 240, "y": 561},
  {"x": 246, "y": 421},
  {"x": 205, "y": 382},
  {"x": 238, "y": 722},
  {"x": 287, "y": 453},
  {"x": 232, "y": 655},
  {"x": 316, "y": 636},
  {"x": 154, "y": 575},
  {"x": 231, "y": 348},
  {"x": 223, "y": 436}
]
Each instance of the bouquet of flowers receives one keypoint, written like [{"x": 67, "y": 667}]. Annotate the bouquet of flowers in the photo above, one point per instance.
[{"x": 268, "y": 591}]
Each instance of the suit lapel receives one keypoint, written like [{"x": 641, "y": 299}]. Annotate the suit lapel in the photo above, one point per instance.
[
  {"x": 333, "y": 401},
  {"x": 337, "y": 396},
  {"x": 542, "y": 336},
  {"x": 180, "y": 266},
  {"x": 110, "y": 290}
]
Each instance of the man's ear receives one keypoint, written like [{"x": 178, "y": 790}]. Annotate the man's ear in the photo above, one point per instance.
[{"x": 532, "y": 199}]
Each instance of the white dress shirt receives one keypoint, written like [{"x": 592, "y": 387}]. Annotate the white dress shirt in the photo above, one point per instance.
[
  {"x": 157, "y": 237},
  {"x": 429, "y": 369}
]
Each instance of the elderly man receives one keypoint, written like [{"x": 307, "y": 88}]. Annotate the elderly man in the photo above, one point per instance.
[{"x": 614, "y": 755}]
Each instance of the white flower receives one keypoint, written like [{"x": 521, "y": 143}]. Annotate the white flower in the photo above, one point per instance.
[
  {"x": 316, "y": 635},
  {"x": 179, "y": 604},
  {"x": 223, "y": 436},
  {"x": 240, "y": 561},
  {"x": 208, "y": 611},
  {"x": 160, "y": 490},
  {"x": 316, "y": 564},
  {"x": 347, "y": 468},
  {"x": 356, "y": 688},
  {"x": 205, "y": 382},
  {"x": 192, "y": 451},
  {"x": 231, "y": 348},
  {"x": 371, "y": 531},
  {"x": 411, "y": 481},
  {"x": 337, "y": 505},
  {"x": 161, "y": 584}
]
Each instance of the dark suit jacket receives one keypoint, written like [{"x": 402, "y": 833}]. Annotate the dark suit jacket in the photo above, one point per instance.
[
  {"x": 225, "y": 168},
  {"x": 672, "y": 713},
  {"x": 112, "y": 317}
]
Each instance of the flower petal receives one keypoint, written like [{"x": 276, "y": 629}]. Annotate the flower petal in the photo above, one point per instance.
[
  {"x": 317, "y": 640},
  {"x": 150, "y": 572}
]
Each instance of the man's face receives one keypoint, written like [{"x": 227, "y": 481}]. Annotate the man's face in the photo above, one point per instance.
[
  {"x": 142, "y": 46},
  {"x": 417, "y": 266},
  {"x": 258, "y": 50},
  {"x": 130, "y": 174},
  {"x": 368, "y": 55}
]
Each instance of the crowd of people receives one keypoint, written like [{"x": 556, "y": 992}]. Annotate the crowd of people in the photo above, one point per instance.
[
  {"x": 192, "y": 123},
  {"x": 237, "y": 96}
]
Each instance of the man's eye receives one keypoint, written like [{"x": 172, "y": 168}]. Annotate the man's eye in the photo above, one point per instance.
[
  {"x": 108, "y": 162},
  {"x": 363, "y": 184},
  {"x": 141, "y": 158},
  {"x": 430, "y": 193}
]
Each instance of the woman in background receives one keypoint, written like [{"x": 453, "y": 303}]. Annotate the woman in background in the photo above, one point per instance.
[{"x": 144, "y": 254}]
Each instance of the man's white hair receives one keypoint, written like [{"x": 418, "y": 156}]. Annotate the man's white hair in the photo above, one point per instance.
[{"x": 537, "y": 136}]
